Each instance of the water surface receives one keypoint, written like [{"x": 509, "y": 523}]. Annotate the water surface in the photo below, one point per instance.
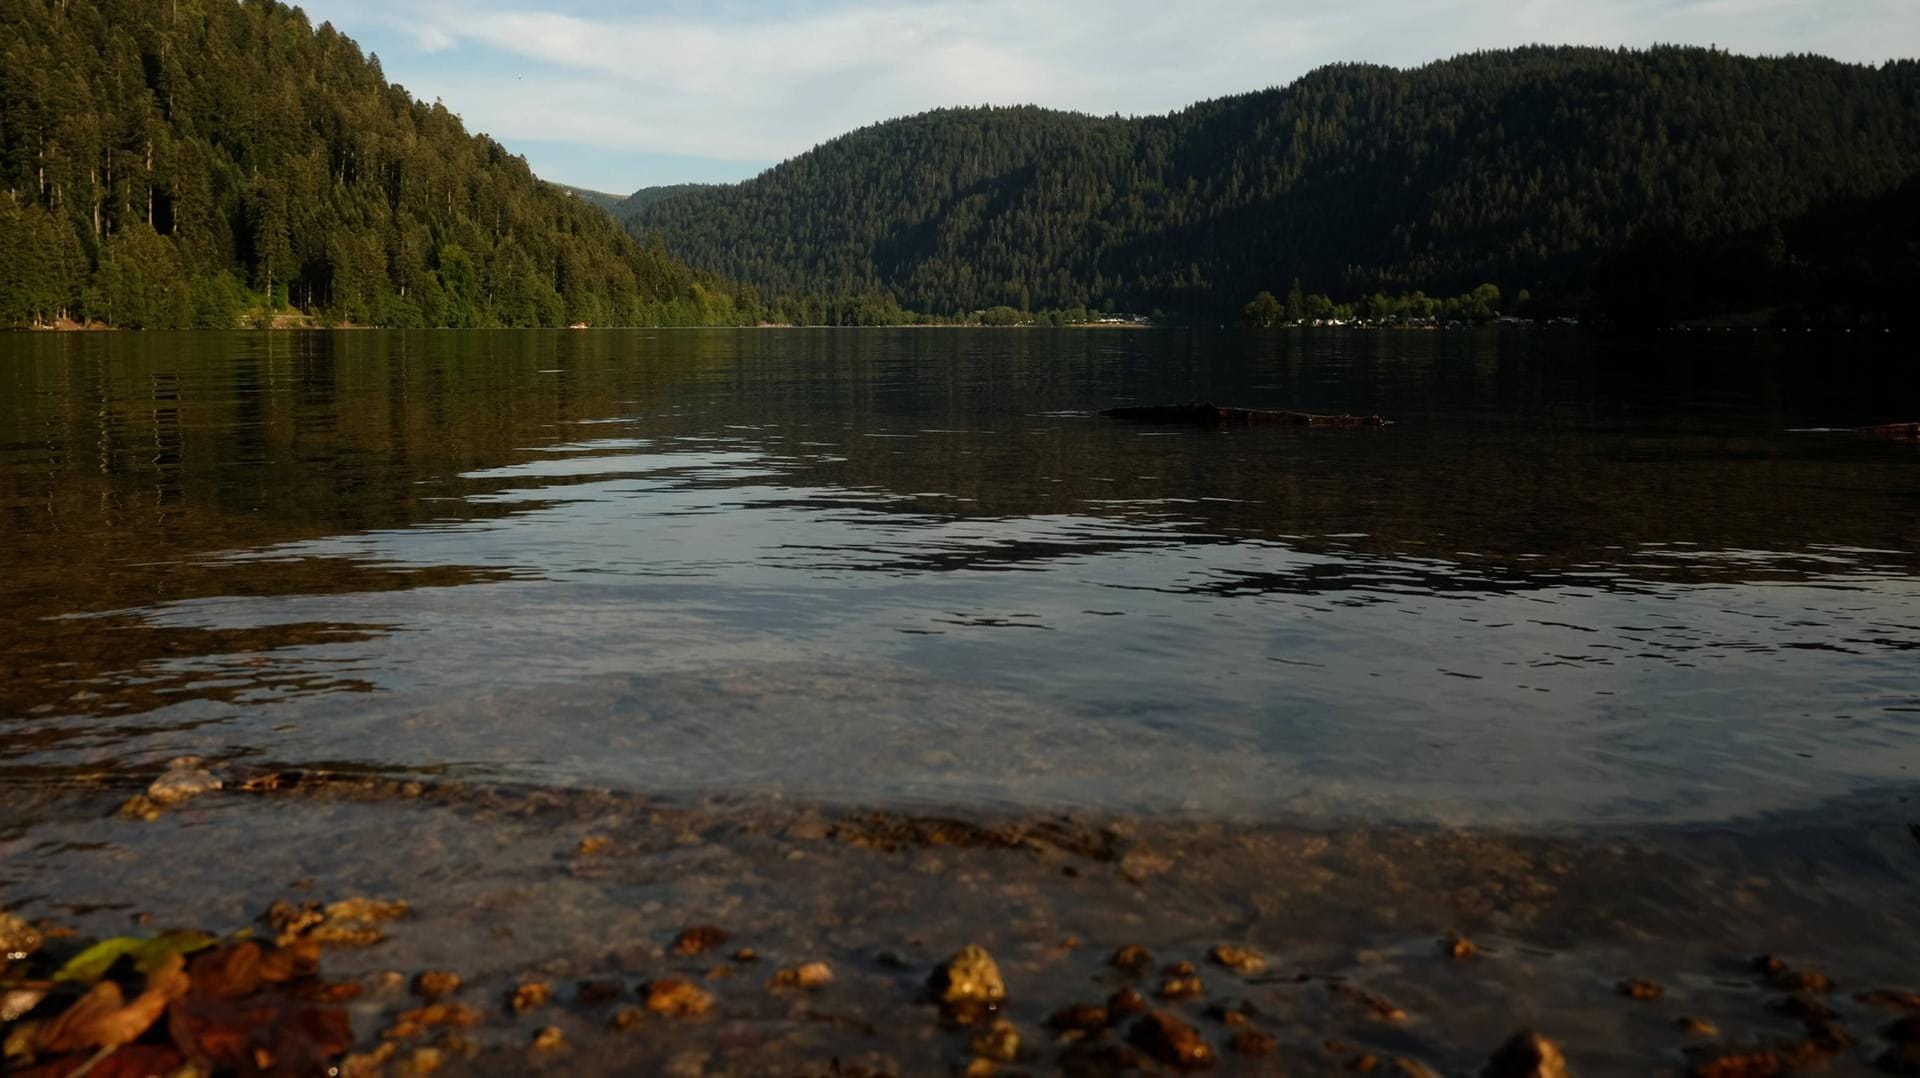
[{"x": 1579, "y": 581}]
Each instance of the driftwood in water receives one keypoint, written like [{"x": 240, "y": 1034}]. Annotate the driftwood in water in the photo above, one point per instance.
[
  {"x": 1906, "y": 432},
  {"x": 1210, "y": 415}
]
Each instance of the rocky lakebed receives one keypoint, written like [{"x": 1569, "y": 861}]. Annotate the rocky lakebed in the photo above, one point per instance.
[{"x": 217, "y": 919}]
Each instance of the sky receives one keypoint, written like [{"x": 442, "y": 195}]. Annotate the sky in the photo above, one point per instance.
[{"x": 617, "y": 96}]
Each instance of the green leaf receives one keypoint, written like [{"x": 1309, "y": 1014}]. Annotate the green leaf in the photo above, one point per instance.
[{"x": 148, "y": 954}]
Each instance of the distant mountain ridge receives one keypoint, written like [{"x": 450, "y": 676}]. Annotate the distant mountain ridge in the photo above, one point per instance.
[
  {"x": 178, "y": 164},
  {"x": 1525, "y": 168}
]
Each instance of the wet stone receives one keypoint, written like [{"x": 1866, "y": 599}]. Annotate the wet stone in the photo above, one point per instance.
[
  {"x": 1697, "y": 1027},
  {"x": 627, "y": 1018},
  {"x": 999, "y": 1042},
  {"x": 1126, "y": 1003},
  {"x": 184, "y": 779},
  {"x": 18, "y": 939},
  {"x": 1084, "y": 1017},
  {"x": 1171, "y": 1041},
  {"x": 1240, "y": 960},
  {"x": 435, "y": 983},
  {"x": 531, "y": 995},
  {"x": 1527, "y": 1055},
  {"x": 1175, "y": 988},
  {"x": 810, "y": 975},
  {"x": 677, "y": 997},
  {"x": 1253, "y": 1042},
  {"x": 699, "y": 939},
  {"x": 1642, "y": 990},
  {"x": 969, "y": 977},
  {"x": 1458, "y": 947},
  {"x": 549, "y": 1039},
  {"x": 1132, "y": 959}
]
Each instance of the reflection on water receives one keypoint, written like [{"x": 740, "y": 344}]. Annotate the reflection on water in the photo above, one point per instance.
[{"x": 1578, "y": 580}]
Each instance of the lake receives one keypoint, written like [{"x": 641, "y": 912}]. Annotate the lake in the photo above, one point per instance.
[{"x": 1641, "y": 590}]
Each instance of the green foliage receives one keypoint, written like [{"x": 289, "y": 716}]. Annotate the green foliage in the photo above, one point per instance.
[
  {"x": 1523, "y": 167},
  {"x": 159, "y": 160}
]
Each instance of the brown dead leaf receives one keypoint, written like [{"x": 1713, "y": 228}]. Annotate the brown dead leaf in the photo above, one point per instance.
[
  {"x": 104, "y": 1019},
  {"x": 227, "y": 973},
  {"x": 129, "y": 1061}
]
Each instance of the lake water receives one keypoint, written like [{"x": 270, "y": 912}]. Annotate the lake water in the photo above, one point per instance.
[{"x": 1578, "y": 581}]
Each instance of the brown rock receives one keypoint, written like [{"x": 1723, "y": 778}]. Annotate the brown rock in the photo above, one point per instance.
[
  {"x": 1240, "y": 960},
  {"x": 1178, "y": 969},
  {"x": 1799, "y": 980},
  {"x": 627, "y": 1018},
  {"x": 1697, "y": 1027},
  {"x": 969, "y": 977},
  {"x": 1126, "y": 1003},
  {"x": 549, "y": 1039},
  {"x": 677, "y": 997},
  {"x": 18, "y": 939},
  {"x": 436, "y": 983},
  {"x": 1132, "y": 959},
  {"x": 530, "y": 995},
  {"x": 699, "y": 939},
  {"x": 1527, "y": 1055},
  {"x": 1171, "y": 1041},
  {"x": 810, "y": 975},
  {"x": 999, "y": 1042},
  {"x": 1175, "y": 988},
  {"x": 1458, "y": 947},
  {"x": 593, "y": 846},
  {"x": 411, "y": 1023},
  {"x": 1642, "y": 990},
  {"x": 1252, "y": 1042},
  {"x": 1085, "y": 1017}
]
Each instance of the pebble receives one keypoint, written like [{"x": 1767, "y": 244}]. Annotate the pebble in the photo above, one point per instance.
[
  {"x": 1177, "y": 987},
  {"x": 1171, "y": 1041},
  {"x": 999, "y": 1042},
  {"x": 1132, "y": 959},
  {"x": 1253, "y": 1042},
  {"x": 810, "y": 975},
  {"x": 1125, "y": 1003},
  {"x": 1085, "y": 1017},
  {"x": 627, "y": 1018},
  {"x": 969, "y": 977},
  {"x": 1641, "y": 989},
  {"x": 435, "y": 983},
  {"x": 1458, "y": 947},
  {"x": 530, "y": 995},
  {"x": 677, "y": 997},
  {"x": 1240, "y": 960},
  {"x": 18, "y": 939},
  {"x": 1697, "y": 1027},
  {"x": 549, "y": 1039},
  {"x": 1527, "y": 1055},
  {"x": 593, "y": 846},
  {"x": 699, "y": 939},
  {"x": 184, "y": 779}
]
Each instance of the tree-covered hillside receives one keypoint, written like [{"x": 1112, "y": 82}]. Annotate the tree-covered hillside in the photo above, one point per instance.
[
  {"x": 176, "y": 163},
  {"x": 1519, "y": 168}
]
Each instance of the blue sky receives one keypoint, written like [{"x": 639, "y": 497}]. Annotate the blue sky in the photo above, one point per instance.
[{"x": 617, "y": 96}]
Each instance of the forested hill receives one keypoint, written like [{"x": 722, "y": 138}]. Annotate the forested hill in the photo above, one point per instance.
[
  {"x": 178, "y": 163},
  {"x": 1519, "y": 168}
]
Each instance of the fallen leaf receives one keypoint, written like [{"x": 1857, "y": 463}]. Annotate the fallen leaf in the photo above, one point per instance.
[
  {"x": 148, "y": 954},
  {"x": 104, "y": 1019},
  {"x": 129, "y": 1061}
]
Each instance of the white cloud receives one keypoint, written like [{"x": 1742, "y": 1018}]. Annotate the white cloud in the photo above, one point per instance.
[{"x": 757, "y": 83}]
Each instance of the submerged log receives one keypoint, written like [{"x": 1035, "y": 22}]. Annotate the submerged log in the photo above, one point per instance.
[
  {"x": 1906, "y": 432},
  {"x": 1211, "y": 415}
]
